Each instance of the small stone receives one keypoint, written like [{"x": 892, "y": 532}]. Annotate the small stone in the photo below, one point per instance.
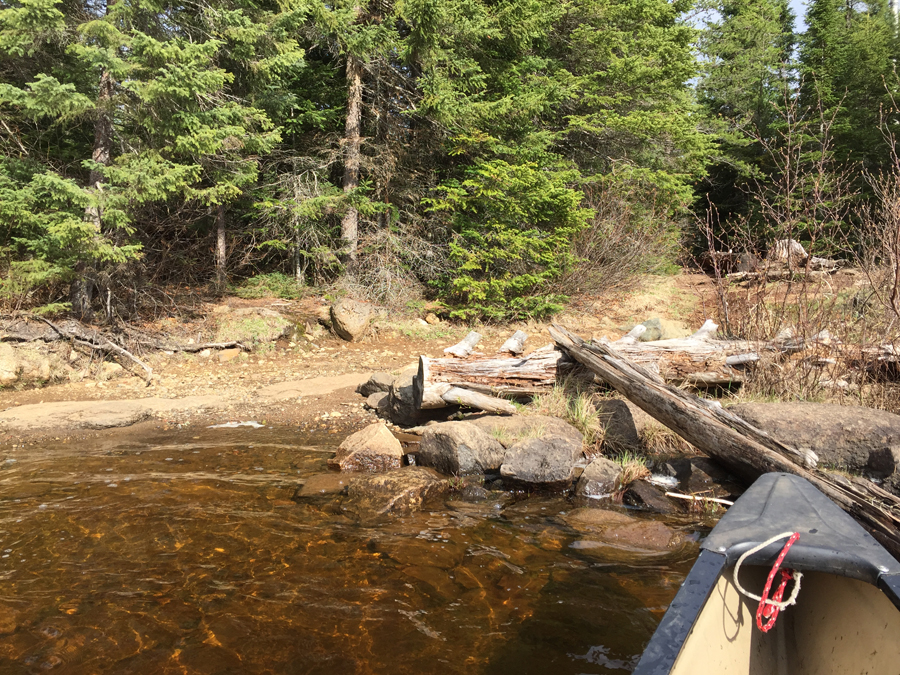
[
  {"x": 432, "y": 319},
  {"x": 228, "y": 354},
  {"x": 206, "y": 353}
]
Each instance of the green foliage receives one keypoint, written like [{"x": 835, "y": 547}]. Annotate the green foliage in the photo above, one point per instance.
[
  {"x": 513, "y": 228},
  {"x": 271, "y": 285}
]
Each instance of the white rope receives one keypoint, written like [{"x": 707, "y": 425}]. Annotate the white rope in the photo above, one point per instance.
[{"x": 797, "y": 575}]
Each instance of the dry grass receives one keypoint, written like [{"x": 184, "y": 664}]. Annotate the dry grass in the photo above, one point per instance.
[{"x": 569, "y": 402}]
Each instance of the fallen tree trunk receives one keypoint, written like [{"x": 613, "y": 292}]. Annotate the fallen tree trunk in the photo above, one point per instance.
[
  {"x": 511, "y": 377},
  {"x": 744, "y": 449}
]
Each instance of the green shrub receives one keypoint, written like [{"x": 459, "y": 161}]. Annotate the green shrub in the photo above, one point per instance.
[
  {"x": 271, "y": 285},
  {"x": 513, "y": 227}
]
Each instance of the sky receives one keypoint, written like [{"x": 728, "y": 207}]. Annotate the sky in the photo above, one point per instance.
[{"x": 799, "y": 7}]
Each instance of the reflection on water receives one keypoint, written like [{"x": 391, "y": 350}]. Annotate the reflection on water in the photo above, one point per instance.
[{"x": 185, "y": 554}]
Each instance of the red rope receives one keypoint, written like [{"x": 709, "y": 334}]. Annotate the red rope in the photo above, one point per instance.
[{"x": 765, "y": 609}]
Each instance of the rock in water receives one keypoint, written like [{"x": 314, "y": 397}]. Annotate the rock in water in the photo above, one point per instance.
[
  {"x": 372, "y": 449},
  {"x": 459, "y": 448},
  {"x": 548, "y": 462},
  {"x": 400, "y": 491},
  {"x": 350, "y": 318},
  {"x": 600, "y": 478}
]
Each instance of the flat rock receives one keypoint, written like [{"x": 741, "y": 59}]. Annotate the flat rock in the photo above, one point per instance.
[
  {"x": 314, "y": 386},
  {"x": 459, "y": 448},
  {"x": 599, "y": 479},
  {"x": 96, "y": 414},
  {"x": 844, "y": 437},
  {"x": 399, "y": 491},
  {"x": 509, "y": 430},
  {"x": 377, "y": 382},
  {"x": 350, "y": 318},
  {"x": 371, "y": 450},
  {"x": 548, "y": 462},
  {"x": 623, "y": 531}
]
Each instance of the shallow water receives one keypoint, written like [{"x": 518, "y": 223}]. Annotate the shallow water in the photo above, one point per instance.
[{"x": 185, "y": 554}]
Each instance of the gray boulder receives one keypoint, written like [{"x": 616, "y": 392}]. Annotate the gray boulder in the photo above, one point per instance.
[
  {"x": 400, "y": 491},
  {"x": 600, "y": 478},
  {"x": 459, "y": 448},
  {"x": 372, "y": 449},
  {"x": 623, "y": 423},
  {"x": 509, "y": 430},
  {"x": 845, "y": 437},
  {"x": 379, "y": 402},
  {"x": 547, "y": 462},
  {"x": 654, "y": 331},
  {"x": 376, "y": 383},
  {"x": 350, "y": 318},
  {"x": 401, "y": 406}
]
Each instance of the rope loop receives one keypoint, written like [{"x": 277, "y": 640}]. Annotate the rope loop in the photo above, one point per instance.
[{"x": 769, "y": 609}]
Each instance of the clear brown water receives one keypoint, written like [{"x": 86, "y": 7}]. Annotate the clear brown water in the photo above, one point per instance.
[{"x": 186, "y": 555}]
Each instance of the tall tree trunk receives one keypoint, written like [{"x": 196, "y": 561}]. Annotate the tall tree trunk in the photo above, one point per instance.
[
  {"x": 352, "y": 142},
  {"x": 221, "y": 278},
  {"x": 82, "y": 289}
]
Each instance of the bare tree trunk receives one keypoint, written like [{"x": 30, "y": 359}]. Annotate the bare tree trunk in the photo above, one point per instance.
[
  {"x": 221, "y": 278},
  {"x": 81, "y": 290},
  {"x": 352, "y": 143}
]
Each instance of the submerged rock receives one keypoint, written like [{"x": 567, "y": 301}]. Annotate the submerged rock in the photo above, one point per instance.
[
  {"x": 399, "y": 491},
  {"x": 623, "y": 531},
  {"x": 324, "y": 484},
  {"x": 459, "y": 448},
  {"x": 372, "y": 449}
]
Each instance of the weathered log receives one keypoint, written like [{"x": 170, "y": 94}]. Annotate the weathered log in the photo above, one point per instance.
[
  {"x": 519, "y": 376},
  {"x": 515, "y": 344},
  {"x": 697, "y": 360},
  {"x": 744, "y": 449},
  {"x": 472, "y": 399},
  {"x": 464, "y": 348}
]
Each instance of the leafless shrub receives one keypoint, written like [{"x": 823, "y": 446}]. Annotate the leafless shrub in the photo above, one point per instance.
[{"x": 629, "y": 234}]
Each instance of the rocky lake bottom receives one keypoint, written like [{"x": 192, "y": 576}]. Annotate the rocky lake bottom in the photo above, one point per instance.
[{"x": 187, "y": 552}]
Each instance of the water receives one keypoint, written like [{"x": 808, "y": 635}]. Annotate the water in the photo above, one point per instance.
[{"x": 185, "y": 554}]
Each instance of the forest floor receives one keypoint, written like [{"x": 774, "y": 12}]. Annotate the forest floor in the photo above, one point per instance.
[{"x": 308, "y": 384}]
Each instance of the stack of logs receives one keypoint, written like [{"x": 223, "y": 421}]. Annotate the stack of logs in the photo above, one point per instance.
[{"x": 487, "y": 383}]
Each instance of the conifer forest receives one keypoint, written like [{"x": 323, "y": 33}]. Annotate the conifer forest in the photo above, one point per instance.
[{"x": 495, "y": 156}]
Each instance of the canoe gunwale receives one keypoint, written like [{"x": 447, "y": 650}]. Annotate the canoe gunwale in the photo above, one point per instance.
[{"x": 831, "y": 542}]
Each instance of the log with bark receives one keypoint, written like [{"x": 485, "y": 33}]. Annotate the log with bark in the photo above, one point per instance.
[{"x": 744, "y": 449}]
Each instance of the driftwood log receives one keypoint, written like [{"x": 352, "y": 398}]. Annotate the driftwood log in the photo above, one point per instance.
[
  {"x": 744, "y": 449},
  {"x": 494, "y": 377},
  {"x": 464, "y": 348},
  {"x": 698, "y": 360}
]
